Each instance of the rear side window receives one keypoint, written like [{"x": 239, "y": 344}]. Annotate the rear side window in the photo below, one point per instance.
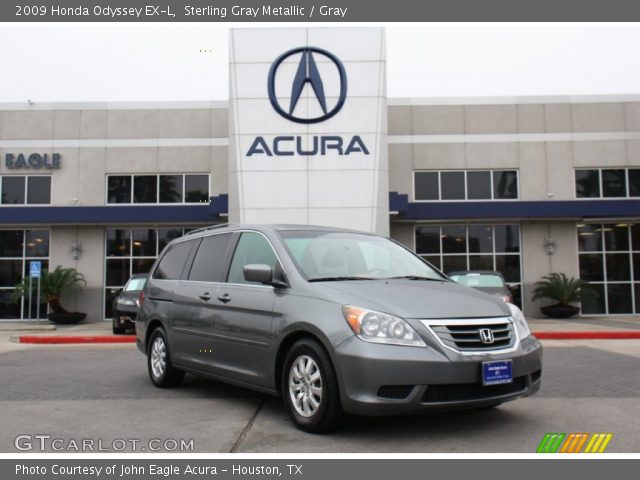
[
  {"x": 208, "y": 262},
  {"x": 135, "y": 284},
  {"x": 172, "y": 263},
  {"x": 252, "y": 249}
]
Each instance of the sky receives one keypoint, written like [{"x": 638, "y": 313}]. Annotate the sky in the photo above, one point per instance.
[{"x": 135, "y": 62}]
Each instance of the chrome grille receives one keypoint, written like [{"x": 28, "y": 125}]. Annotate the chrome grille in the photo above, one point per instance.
[{"x": 475, "y": 335}]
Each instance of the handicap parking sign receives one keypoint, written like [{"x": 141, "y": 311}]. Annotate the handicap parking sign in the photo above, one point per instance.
[{"x": 35, "y": 268}]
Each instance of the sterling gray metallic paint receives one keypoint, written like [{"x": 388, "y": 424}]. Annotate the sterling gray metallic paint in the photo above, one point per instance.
[{"x": 246, "y": 334}]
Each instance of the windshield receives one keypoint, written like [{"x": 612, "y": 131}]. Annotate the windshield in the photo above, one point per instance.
[
  {"x": 478, "y": 280},
  {"x": 135, "y": 284},
  {"x": 353, "y": 256}
]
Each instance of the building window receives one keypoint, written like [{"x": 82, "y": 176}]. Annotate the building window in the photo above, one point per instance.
[
  {"x": 150, "y": 189},
  {"x": 609, "y": 260},
  {"x": 608, "y": 183},
  {"x": 129, "y": 251},
  {"x": 465, "y": 185},
  {"x": 25, "y": 190},
  {"x": 473, "y": 247},
  {"x": 17, "y": 249}
]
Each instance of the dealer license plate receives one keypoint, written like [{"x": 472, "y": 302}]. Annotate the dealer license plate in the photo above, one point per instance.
[{"x": 494, "y": 373}]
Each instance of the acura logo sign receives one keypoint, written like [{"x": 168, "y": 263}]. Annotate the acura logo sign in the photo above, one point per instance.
[
  {"x": 486, "y": 335},
  {"x": 307, "y": 73}
]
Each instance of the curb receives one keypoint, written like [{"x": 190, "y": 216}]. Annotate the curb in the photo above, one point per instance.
[
  {"x": 74, "y": 339},
  {"x": 589, "y": 335}
]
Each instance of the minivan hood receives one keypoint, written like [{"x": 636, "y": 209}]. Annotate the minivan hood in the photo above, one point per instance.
[{"x": 416, "y": 298}]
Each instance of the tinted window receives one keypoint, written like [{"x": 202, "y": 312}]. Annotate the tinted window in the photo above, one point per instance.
[
  {"x": 614, "y": 183},
  {"x": 454, "y": 240},
  {"x": 480, "y": 238},
  {"x": 141, "y": 265},
  {"x": 144, "y": 242},
  {"x": 634, "y": 182},
  {"x": 117, "y": 271},
  {"x": 589, "y": 238},
  {"x": 209, "y": 261},
  {"x": 587, "y": 183},
  {"x": 196, "y": 188},
  {"x": 37, "y": 243},
  {"x": 165, "y": 235},
  {"x": 118, "y": 242},
  {"x": 145, "y": 189},
  {"x": 170, "y": 188},
  {"x": 38, "y": 190},
  {"x": 479, "y": 185},
  {"x": 172, "y": 263},
  {"x": 13, "y": 190},
  {"x": 509, "y": 267},
  {"x": 119, "y": 189},
  {"x": 10, "y": 272},
  {"x": 505, "y": 184},
  {"x": 428, "y": 240},
  {"x": 452, "y": 185},
  {"x": 616, "y": 237},
  {"x": 426, "y": 186},
  {"x": 507, "y": 239},
  {"x": 252, "y": 249},
  {"x": 11, "y": 243}
]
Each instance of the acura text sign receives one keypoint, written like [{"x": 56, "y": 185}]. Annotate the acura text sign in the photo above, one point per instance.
[{"x": 35, "y": 161}]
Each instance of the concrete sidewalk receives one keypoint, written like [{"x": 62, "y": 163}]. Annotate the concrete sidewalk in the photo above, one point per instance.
[{"x": 585, "y": 324}]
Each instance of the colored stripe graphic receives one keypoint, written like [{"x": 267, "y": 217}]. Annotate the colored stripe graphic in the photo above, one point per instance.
[
  {"x": 598, "y": 443},
  {"x": 551, "y": 442},
  {"x": 554, "y": 442},
  {"x": 574, "y": 443}
]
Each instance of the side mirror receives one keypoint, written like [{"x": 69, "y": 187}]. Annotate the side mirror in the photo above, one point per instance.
[
  {"x": 264, "y": 274},
  {"x": 258, "y": 273}
]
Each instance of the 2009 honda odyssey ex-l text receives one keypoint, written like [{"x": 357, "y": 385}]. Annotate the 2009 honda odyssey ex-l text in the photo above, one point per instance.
[{"x": 332, "y": 320}]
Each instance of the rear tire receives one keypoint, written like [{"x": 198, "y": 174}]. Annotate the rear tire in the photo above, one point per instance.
[
  {"x": 310, "y": 388},
  {"x": 161, "y": 371}
]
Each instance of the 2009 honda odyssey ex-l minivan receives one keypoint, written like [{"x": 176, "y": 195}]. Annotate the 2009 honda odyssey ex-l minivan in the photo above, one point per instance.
[{"x": 333, "y": 320}]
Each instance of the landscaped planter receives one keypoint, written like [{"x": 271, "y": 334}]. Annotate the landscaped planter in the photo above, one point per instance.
[
  {"x": 67, "y": 318},
  {"x": 560, "y": 311}
]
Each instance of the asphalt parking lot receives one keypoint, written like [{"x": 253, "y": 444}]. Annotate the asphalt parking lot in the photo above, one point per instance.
[{"x": 103, "y": 392}]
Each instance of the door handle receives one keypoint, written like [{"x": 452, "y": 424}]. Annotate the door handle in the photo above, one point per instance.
[
  {"x": 225, "y": 298},
  {"x": 206, "y": 296}
]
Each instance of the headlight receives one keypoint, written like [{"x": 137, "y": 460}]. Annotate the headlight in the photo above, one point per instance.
[
  {"x": 377, "y": 327},
  {"x": 520, "y": 321}
]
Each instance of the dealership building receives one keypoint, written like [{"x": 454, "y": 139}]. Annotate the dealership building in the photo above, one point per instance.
[{"x": 525, "y": 186}]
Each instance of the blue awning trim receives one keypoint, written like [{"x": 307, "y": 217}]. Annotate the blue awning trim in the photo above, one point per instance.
[
  {"x": 553, "y": 209},
  {"x": 115, "y": 214}
]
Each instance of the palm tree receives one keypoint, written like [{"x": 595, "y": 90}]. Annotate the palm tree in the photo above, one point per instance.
[
  {"x": 52, "y": 286},
  {"x": 564, "y": 290}
]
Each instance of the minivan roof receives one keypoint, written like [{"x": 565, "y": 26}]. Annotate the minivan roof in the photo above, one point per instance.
[{"x": 276, "y": 227}]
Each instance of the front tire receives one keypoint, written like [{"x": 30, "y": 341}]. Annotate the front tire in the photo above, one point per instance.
[
  {"x": 310, "y": 388},
  {"x": 161, "y": 371},
  {"x": 115, "y": 328}
]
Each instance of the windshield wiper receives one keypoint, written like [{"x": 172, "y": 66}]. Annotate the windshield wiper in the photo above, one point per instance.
[
  {"x": 338, "y": 279},
  {"x": 419, "y": 277}
]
